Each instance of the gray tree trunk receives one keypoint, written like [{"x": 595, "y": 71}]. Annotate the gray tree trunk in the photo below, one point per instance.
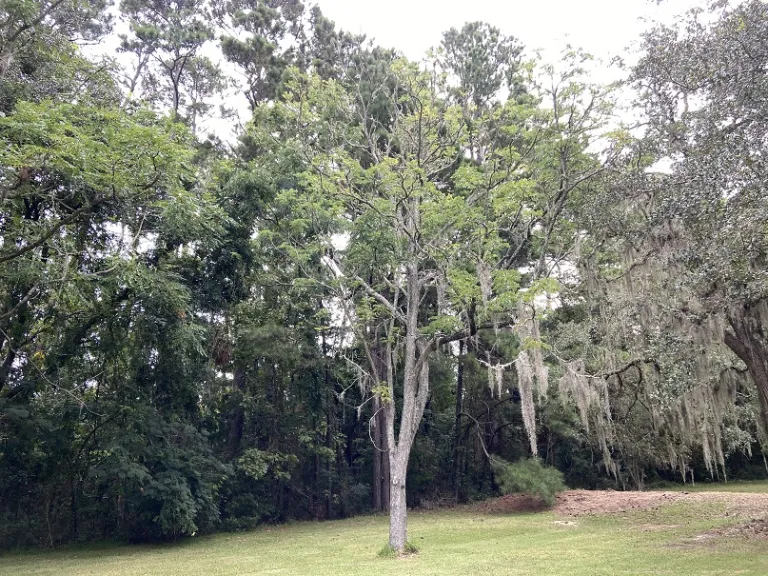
[
  {"x": 378, "y": 455},
  {"x": 398, "y": 513},
  {"x": 415, "y": 393},
  {"x": 746, "y": 342},
  {"x": 385, "y": 476},
  {"x": 457, "y": 423}
]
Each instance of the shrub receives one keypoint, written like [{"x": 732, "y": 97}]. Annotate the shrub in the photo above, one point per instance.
[{"x": 530, "y": 477}]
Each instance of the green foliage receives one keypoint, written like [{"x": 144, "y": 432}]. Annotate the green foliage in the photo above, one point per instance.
[
  {"x": 681, "y": 264},
  {"x": 483, "y": 60},
  {"x": 178, "y": 495},
  {"x": 195, "y": 335},
  {"x": 382, "y": 391},
  {"x": 256, "y": 464},
  {"x": 529, "y": 476},
  {"x": 163, "y": 47}
]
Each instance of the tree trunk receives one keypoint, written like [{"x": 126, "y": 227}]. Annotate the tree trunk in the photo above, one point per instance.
[
  {"x": 318, "y": 488},
  {"x": 747, "y": 344},
  {"x": 398, "y": 513},
  {"x": 329, "y": 470},
  {"x": 329, "y": 428},
  {"x": 385, "y": 479},
  {"x": 457, "y": 423},
  {"x": 236, "y": 427},
  {"x": 377, "y": 455},
  {"x": 74, "y": 509},
  {"x": 379, "y": 431},
  {"x": 415, "y": 393}
]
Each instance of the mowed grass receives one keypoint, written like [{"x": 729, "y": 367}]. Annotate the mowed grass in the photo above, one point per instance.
[{"x": 665, "y": 541}]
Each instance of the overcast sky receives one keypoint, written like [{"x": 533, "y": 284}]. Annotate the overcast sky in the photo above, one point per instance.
[{"x": 602, "y": 27}]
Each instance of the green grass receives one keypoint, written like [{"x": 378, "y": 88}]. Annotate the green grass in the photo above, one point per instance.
[{"x": 456, "y": 542}]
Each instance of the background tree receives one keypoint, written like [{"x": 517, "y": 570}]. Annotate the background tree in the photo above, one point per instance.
[
  {"x": 168, "y": 66},
  {"x": 676, "y": 270},
  {"x": 706, "y": 119},
  {"x": 258, "y": 43}
]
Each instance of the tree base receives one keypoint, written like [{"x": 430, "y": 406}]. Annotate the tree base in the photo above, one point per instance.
[{"x": 389, "y": 552}]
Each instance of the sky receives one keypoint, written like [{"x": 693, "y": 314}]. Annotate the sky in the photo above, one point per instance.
[{"x": 604, "y": 28}]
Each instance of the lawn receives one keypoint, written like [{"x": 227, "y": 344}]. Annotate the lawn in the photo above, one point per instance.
[{"x": 663, "y": 541}]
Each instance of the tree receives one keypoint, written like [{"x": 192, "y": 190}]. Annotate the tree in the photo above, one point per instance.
[
  {"x": 257, "y": 28},
  {"x": 37, "y": 57},
  {"x": 703, "y": 93},
  {"x": 479, "y": 61},
  {"x": 430, "y": 241},
  {"x": 483, "y": 61},
  {"x": 400, "y": 275},
  {"x": 165, "y": 42},
  {"x": 674, "y": 268},
  {"x": 97, "y": 207}
]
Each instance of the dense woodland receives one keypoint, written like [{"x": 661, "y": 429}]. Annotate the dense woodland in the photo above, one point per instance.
[{"x": 254, "y": 268}]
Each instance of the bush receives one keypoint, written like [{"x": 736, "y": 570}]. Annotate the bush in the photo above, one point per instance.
[{"x": 530, "y": 477}]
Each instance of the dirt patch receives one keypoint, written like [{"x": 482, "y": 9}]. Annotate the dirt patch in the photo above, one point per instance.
[
  {"x": 740, "y": 504},
  {"x": 591, "y": 502},
  {"x": 579, "y": 502},
  {"x": 586, "y": 502},
  {"x": 755, "y": 529},
  {"x": 749, "y": 510}
]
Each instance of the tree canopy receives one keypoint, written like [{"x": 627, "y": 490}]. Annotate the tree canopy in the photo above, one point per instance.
[{"x": 399, "y": 284}]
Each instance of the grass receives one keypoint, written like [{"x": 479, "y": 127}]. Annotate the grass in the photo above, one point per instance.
[{"x": 455, "y": 542}]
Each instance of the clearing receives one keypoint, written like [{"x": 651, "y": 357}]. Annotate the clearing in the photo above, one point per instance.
[{"x": 675, "y": 533}]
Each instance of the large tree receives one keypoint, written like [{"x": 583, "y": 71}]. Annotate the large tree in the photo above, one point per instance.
[
  {"x": 417, "y": 245},
  {"x": 674, "y": 263},
  {"x": 703, "y": 86}
]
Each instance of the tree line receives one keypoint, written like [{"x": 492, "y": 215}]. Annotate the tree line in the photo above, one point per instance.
[{"x": 460, "y": 276}]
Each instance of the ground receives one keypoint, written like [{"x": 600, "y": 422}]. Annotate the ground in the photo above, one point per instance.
[{"x": 680, "y": 533}]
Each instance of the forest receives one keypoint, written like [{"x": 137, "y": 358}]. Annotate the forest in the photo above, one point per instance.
[{"x": 255, "y": 268}]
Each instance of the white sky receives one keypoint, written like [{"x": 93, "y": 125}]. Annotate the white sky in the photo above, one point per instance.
[{"x": 602, "y": 27}]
